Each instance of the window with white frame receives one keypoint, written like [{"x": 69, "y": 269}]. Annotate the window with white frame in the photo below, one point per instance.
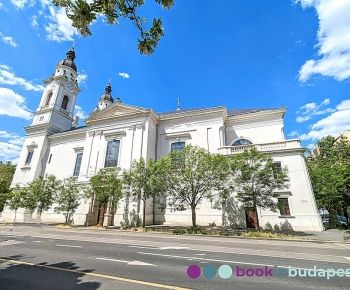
[
  {"x": 112, "y": 153},
  {"x": 29, "y": 157},
  {"x": 77, "y": 164},
  {"x": 283, "y": 206}
]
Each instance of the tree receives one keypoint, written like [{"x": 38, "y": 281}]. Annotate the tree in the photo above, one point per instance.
[
  {"x": 15, "y": 199},
  {"x": 144, "y": 181},
  {"x": 330, "y": 175},
  {"x": 7, "y": 170},
  {"x": 256, "y": 180},
  {"x": 40, "y": 193},
  {"x": 68, "y": 196},
  {"x": 83, "y": 13},
  {"x": 193, "y": 174},
  {"x": 106, "y": 188}
]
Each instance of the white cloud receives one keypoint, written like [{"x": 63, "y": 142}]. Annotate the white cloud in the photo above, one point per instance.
[
  {"x": 293, "y": 134},
  {"x": 60, "y": 27},
  {"x": 34, "y": 22},
  {"x": 2, "y": 6},
  {"x": 78, "y": 111},
  {"x": 309, "y": 110},
  {"x": 8, "y": 77},
  {"x": 9, "y": 152},
  {"x": 124, "y": 75},
  {"x": 19, "y": 3},
  {"x": 334, "y": 124},
  {"x": 8, "y": 40},
  {"x": 13, "y": 105},
  {"x": 82, "y": 77},
  {"x": 333, "y": 38}
]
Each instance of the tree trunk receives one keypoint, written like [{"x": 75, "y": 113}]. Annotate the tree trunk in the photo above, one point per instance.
[
  {"x": 101, "y": 216},
  {"x": 257, "y": 217},
  {"x": 223, "y": 214},
  {"x": 144, "y": 214},
  {"x": 67, "y": 216},
  {"x": 193, "y": 209},
  {"x": 14, "y": 221},
  {"x": 332, "y": 218},
  {"x": 345, "y": 209}
]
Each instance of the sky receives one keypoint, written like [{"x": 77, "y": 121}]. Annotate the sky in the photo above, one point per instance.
[{"x": 239, "y": 54}]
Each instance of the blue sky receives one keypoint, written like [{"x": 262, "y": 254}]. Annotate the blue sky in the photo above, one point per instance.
[{"x": 239, "y": 54}]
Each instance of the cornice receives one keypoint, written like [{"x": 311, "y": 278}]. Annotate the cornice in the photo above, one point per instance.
[
  {"x": 256, "y": 116},
  {"x": 193, "y": 113}
]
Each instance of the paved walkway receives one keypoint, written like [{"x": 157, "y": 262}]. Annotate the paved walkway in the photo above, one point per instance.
[{"x": 328, "y": 235}]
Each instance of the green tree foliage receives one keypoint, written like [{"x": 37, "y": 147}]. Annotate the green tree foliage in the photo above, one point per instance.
[
  {"x": 7, "y": 169},
  {"x": 256, "y": 179},
  {"x": 192, "y": 175},
  {"x": 106, "y": 189},
  {"x": 330, "y": 175},
  {"x": 16, "y": 199},
  {"x": 68, "y": 197},
  {"x": 145, "y": 181},
  {"x": 83, "y": 13},
  {"x": 40, "y": 193}
]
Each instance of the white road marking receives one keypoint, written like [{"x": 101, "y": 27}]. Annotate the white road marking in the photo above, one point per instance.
[
  {"x": 141, "y": 247},
  {"x": 202, "y": 254},
  {"x": 113, "y": 260},
  {"x": 174, "y": 248},
  {"x": 348, "y": 258},
  {"x": 140, "y": 263},
  {"x": 10, "y": 243},
  {"x": 69, "y": 246},
  {"x": 132, "y": 263},
  {"x": 37, "y": 241}
]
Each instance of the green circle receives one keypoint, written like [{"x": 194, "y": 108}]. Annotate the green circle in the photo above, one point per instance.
[
  {"x": 225, "y": 271},
  {"x": 209, "y": 271}
]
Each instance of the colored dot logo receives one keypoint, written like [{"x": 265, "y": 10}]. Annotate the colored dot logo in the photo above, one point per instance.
[
  {"x": 193, "y": 271},
  {"x": 209, "y": 271}
]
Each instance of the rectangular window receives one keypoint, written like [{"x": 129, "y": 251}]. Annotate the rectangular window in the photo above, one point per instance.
[
  {"x": 77, "y": 164},
  {"x": 50, "y": 158},
  {"x": 112, "y": 153},
  {"x": 29, "y": 157},
  {"x": 177, "y": 146},
  {"x": 277, "y": 169},
  {"x": 283, "y": 206}
]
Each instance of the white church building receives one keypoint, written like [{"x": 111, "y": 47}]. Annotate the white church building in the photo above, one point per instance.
[{"x": 115, "y": 134}]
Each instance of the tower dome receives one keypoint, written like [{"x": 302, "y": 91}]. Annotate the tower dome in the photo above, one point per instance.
[
  {"x": 106, "y": 99},
  {"x": 69, "y": 60}
]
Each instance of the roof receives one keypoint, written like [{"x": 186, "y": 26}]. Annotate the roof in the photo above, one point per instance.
[
  {"x": 73, "y": 130},
  {"x": 236, "y": 112},
  {"x": 187, "y": 111}
]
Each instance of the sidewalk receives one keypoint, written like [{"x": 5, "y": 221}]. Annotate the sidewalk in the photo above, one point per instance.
[{"x": 328, "y": 235}]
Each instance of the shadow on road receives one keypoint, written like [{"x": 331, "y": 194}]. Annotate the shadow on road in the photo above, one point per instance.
[{"x": 42, "y": 276}]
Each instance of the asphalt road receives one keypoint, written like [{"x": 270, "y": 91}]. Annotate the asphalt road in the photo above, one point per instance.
[{"x": 42, "y": 257}]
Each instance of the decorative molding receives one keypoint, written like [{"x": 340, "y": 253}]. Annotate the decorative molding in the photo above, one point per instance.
[{"x": 33, "y": 145}]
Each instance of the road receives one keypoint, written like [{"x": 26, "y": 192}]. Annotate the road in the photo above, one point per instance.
[{"x": 47, "y": 257}]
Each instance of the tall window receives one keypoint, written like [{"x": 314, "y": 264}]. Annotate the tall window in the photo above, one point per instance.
[
  {"x": 177, "y": 146},
  {"x": 112, "y": 153},
  {"x": 77, "y": 164},
  {"x": 277, "y": 169},
  {"x": 48, "y": 98},
  {"x": 241, "y": 142},
  {"x": 283, "y": 206},
  {"x": 65, "y": 102},
  {"x": 29, "y": 157}
]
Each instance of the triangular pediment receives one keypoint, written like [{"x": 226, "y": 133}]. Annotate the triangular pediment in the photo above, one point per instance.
[{"x": 117, "y": 110}]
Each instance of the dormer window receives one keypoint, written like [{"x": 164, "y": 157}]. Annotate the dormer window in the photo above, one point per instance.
[
  {"x": 65, "y": 102},
  {"x": 241, "y": 142}
]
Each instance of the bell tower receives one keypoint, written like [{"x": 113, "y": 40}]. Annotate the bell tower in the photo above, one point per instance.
[
  {"x": 54, "y": 114},
  {"x": 55, "y": 111}
]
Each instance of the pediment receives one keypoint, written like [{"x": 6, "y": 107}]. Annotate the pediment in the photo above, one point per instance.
[{"x": 117, "y": 110}]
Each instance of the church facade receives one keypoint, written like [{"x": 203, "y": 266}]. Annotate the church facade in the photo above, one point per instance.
[{"x": 115, "y": 134}]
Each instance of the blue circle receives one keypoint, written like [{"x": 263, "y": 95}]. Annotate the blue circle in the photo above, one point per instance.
[
  {"x": 209, "y": 271},
  {"x": 225, "y": 271}
]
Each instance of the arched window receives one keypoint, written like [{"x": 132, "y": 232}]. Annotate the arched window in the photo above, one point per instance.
[
  {"x": 65, "y": 103},
  {"x": 48, "y": 99},
  {"x": 241, "y": 142}
]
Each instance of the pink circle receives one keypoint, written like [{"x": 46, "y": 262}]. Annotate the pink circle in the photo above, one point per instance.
[{"x": 193, "y": 271}]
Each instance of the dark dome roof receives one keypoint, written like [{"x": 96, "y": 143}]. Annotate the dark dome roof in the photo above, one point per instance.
[
  {"x": 107, "y": 95},
  {"x": 69, "y": 60}
]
